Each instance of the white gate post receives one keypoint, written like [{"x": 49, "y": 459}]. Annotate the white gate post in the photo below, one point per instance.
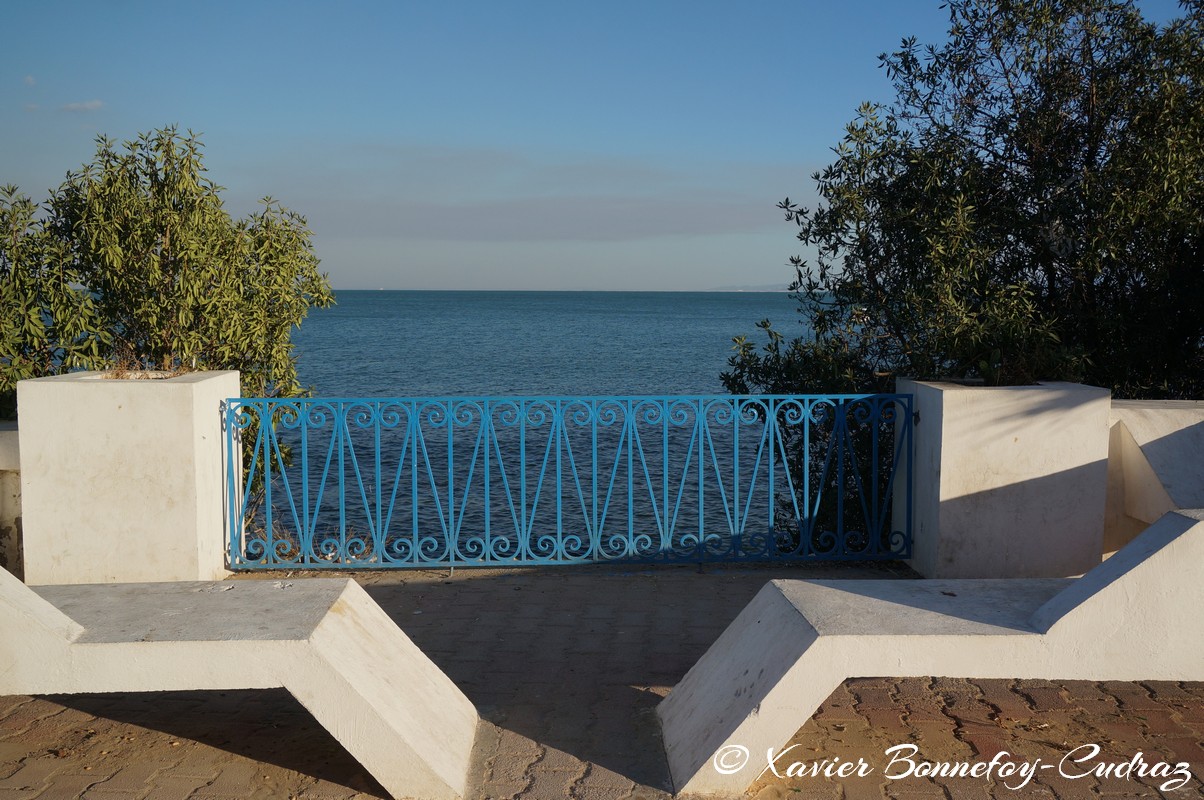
[
  {"x": 1008, "y": 481},
  {"x": 123, "y": 480}
]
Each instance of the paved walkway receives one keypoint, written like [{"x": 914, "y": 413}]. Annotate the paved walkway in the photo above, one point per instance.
[{"x": 566, "y": 667}]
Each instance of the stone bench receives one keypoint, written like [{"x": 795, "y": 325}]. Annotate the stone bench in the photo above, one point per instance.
[
  {"x": 324, "y": 640},
  {"x": 1134, "y": 617}
]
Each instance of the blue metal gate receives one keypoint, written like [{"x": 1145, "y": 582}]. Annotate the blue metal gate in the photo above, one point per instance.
[{"x": 426, "y": 482}]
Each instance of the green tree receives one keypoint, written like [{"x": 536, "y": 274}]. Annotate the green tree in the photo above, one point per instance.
[
  {"x": 135, "y": 263},
  {"x": 1031, "y": 206},
  {"x": 47, "y": 322}
]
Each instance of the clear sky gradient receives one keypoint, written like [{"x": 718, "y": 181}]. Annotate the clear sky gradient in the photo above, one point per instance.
[{"x": 482, "y": 145}]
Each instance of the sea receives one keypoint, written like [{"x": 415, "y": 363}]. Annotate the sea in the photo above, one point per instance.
[
  {"x": 532, "y": 481},
  {"x": 489, "y": 343}
]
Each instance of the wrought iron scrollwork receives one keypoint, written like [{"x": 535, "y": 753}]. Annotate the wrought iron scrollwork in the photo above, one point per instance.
[{"x": 420, "y": 482}]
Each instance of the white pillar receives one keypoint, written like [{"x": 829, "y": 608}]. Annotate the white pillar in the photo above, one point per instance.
[
  {"x": 1009, "y": 481},
  {"x": 122, "y": 480}
]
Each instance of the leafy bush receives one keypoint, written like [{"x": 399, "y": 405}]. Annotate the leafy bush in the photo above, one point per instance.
[
  {"x": 1029, "y": 207},
  {"x": 135, "y": 263}
]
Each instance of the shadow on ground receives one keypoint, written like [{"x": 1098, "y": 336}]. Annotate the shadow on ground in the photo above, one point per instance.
[
  {"x": 578, "y": 659},
  {"x": 266, "y": 726}
]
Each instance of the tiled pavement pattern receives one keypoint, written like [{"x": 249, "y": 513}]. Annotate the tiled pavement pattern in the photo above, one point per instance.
[{"x": 566, "y": 667}]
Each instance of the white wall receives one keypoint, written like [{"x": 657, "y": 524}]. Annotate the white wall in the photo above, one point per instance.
[
  {"x": 1154, "y": 464},
  {"x": 10, "y": 499},
  {"x": 1010, "y": 482},
  {"x": 123, "y": 480}
]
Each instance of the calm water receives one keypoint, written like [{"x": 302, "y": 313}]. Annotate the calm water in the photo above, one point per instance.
[
  {"x": 470, "y": 483},
  {"x": 409, "y": 343}
]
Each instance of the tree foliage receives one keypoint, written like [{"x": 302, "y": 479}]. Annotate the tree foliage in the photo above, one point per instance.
[
  {"x": 134, "y": 262},
  {"x": 47, "y": 322},
  {"x": 1031, "y": 206}
]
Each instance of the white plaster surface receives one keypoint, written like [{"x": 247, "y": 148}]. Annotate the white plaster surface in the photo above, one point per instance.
[
  {"x": 996, "y": 607},
  {"x": 1009, "y": 482},
  {"x": 324, "y": 640},
  {"x": 122, "y": 480},
  {"x": 1154, "y": 464},
  {"x": 10, "y": 498},
  {"x": 1135, "y": 497},
  {"x": 10, "y": 446},
  {"x": 1134, "y": 617},
  {"x": 1170, "y": 435},
  {"x": 10, "y": 522}
]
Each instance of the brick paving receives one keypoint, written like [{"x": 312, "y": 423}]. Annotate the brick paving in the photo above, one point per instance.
[{"x": 566, "y": 667}]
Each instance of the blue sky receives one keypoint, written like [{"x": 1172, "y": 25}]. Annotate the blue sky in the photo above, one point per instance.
[{"x": 476, "y": 145}]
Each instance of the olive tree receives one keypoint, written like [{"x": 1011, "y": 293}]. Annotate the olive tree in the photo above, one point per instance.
[
  {"x": 1030, "y": 206},
  {"x": 135, "y": 263}
]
